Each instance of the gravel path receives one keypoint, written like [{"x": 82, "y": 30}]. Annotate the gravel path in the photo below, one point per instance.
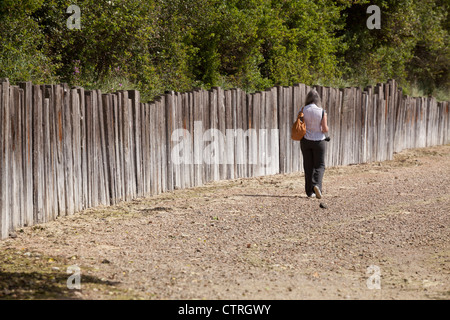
[{"x": 256, "y": 238}]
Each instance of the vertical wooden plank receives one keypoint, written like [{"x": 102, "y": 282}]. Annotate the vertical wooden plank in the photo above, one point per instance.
[
  {"x": 221, "y": 118},
  {"x": 38, "y": 156},
  {"x": 269, "y": 157},
  {"x": 430, "y": 115},
  {"x": 388, "y": 121},
  {"x": 144, "y": 191},
  {"x": 190, "y": 128},
  {"x": 239, "y": 125},
  {"x": 49, "y": 150},
  {"x": 206, "y": 126},
  {"x": 412, "y": 122},
  {"x": 127, "y": 180},
  {"x": 179, "y": 169},
  {"x": 104, "y": 195},
  {"x": 197, "y": 138},
  {"x": 170, "y": 127},
  {"x": 156, "y": 142},
  {"x": 249, "y": 138},
  {"x": 145, "y": 157},
  {"x": 392, "y": 116},
  {"x": 344, "y": 133},
  {"x": 333, "y": 119},
  {"x": 435, "y": 121},
  {"x": 289, "y": 121},
  {"x": 375, "y": 126},
  {"x": 295, "y": 107},
  {"x": 88, "y": 116},
  {"x": 381, "y": 121},
  {"x": 275, "y": 132},
  {"x": 58, "y": 135},
  {"x": 243, "y": 105},
  {"x": 398, "y": 137},
  {"x": 21, "y": 146},
  {"x": 351, "y": 126},
  {"x": 400, "y": 125},
  {"x": 184, "y": 124},
  {"x": 136, "y": 141},
  {"x": 53, "y": 149},
  {"x": 364, "y": 128},
  {"x": 47, "y": 157},
  {"x": 132, "y": 145},
  {"x": 336, "y": 125},
  {"x": 443, "y": 118},
  {"x": 163, "y": 144},
  {"x": 427, "y": 119},
  {"x": 110, "y": 123},
  {"x": 50, "y": 156},
  {"x": 418, "y": 125},
  {"x": 254, "y": 134},
  {"x": 156, "y": 145},
  {"x": 110, "y": 120},
  {"x": 447, "y": 122},
  {"x": 357, "y": 136},
  {"x": 404, "y": 123},
  {"x": 4, "y": 158},
  {"x": 230, "y": 136},
  {"x": 27, "y": 144},
  {"x": 387, "y": 128},
  {"x": 262, "y": 136},
  {"x": 68, "y": 156},
  {"x": 76, "y": 150},
  {"x": 149, "y": 158},
  {"x": 422, "y": 121},
  {"x": 407, "y": 122},
  {"x": 84, "y": 193},
  {"x": 178, "y": 180},
  {"x": 283, "y": 129},
  {"x": 118, "y": 145},
  {"x": 122, "y": 141},
  {"x": 15, "y": 161}
]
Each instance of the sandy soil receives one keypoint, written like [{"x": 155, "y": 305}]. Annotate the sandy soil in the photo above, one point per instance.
[{"x": 256, "y": 238}]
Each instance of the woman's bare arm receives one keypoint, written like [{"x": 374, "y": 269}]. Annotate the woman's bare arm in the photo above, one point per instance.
[{"x": 324, "y": 123}]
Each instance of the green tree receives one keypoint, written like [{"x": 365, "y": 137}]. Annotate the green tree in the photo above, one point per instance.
[
  {"x": 411, "y": 46},
  {"x": 23, "y": 50}
]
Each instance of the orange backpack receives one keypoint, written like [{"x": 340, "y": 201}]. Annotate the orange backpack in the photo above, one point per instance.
[{"x": 298, "y": 128}]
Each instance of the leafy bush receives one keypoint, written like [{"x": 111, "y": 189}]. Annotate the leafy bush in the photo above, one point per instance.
[{"x": 159, "y": 45}]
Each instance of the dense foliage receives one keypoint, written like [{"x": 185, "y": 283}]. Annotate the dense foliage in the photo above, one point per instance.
[{"x": 159, "y": 45}]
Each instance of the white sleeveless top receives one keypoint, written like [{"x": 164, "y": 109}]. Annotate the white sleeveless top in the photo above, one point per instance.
[{"x": 312, "y": 116}]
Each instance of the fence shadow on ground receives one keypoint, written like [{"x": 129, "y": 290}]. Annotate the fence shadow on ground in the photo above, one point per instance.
[
  {"x": 274, "y": 196},
  {"x": 38, "y": 286}
]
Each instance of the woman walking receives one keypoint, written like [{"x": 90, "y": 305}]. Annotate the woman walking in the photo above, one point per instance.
[{"x": 313, "y": 145}]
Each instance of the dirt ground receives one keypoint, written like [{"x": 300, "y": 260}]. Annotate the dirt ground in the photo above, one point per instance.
[{"x": 258, "y": 238}]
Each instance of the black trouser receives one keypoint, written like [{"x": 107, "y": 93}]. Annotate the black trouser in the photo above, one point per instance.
[{"x": 313, "y": 163}]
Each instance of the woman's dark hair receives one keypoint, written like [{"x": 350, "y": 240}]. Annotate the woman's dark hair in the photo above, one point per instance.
[{"x": 313, "y": 97}]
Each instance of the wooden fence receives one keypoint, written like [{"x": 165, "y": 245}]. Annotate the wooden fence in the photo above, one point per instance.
[{"x": 65, "y": 149}]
